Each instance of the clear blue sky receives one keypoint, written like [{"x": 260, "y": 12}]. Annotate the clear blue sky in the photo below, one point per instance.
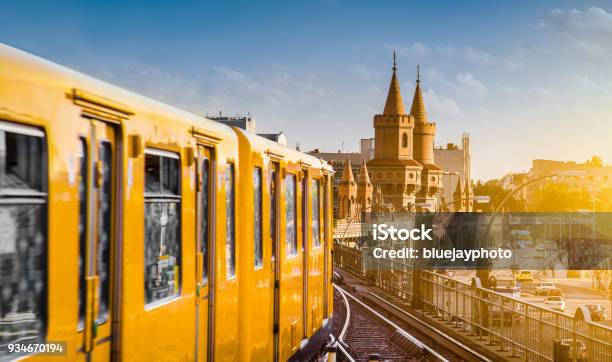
[{"x": 526, "y": 79}]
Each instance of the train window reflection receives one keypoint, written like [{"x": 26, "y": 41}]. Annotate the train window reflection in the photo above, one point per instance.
[
  {"x": 104, "y": 229},
  {"x": 23, "y": 241},
  {"x": 230, "y": 232},
  {"x": 290, "y": 215},
  {"x": 204, "y": 221},
  {"x": 273, "y": 211},
  {"x": 162, "y": 226},
  {"x": 315, "y": 228},
  {"x": 82, "y": 157},
  {"x": 257, "y": 218}
]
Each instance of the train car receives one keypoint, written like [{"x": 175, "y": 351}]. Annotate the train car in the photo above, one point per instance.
[
  {"x": 133, "y": 230},
  {"x": 290, "y": 267}
]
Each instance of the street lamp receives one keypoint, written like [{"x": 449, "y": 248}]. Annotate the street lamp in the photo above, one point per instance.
[{"x": 480, "y": 199}]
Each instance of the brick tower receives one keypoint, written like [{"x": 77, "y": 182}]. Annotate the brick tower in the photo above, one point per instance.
[
  {"x": 364, "y": 189},
  {"x": 347, "y": 193},
  {"x": 424, "y": 136},
  {"x": 393, "y": 169}
]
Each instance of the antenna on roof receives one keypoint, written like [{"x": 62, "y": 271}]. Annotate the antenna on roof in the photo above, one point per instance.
[
  {"x": 418, "y": 73},
  {"x": 394, "y": 64}
]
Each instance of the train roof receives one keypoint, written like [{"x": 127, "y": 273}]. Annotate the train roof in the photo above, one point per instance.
[
  {"x": 16, "y": 64},
  {"x": 263, "y": 143}
]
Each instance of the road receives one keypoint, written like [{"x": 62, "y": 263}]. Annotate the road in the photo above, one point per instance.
[{"x": 577, "y": 291}]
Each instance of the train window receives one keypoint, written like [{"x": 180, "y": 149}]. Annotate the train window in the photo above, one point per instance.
[
  {"x": 230, "y": 232},
  {"x": 104, "y": 229},
  {"x": 82, "y": 159},
  {"x": 204, "y": 195},
  {"x": 162, "y": 226},
  {"x": 290, "y": 215},
  {"x": 315, "y": 228},
  {"x": 273, "y": 210},
  {"x": 304, "y": 190},
  {"x": 257, "y": 219},
  {"x": 23, "y": 200},
  {"x": 170, "y": 176},
  {"x": 326, "y": 197}
]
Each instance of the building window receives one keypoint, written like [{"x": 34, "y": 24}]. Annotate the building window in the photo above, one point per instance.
[
  {"x": 315, "y": 228},
  {"x": 230, "y": 229},
  {"x": 405, "y": 140},
  {"x": 257, "y": 218},
  {"x": 290, "y": 215},
  {"x": 162, "y": 225},
  {"x": 23, "y": 256}
]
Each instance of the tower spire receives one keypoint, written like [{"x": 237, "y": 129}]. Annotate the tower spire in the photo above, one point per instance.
[
  {"x": 347, "y": 173},
  {"x": 394, "y": 103},
  {"x": 418, "y": 104},
  {"x": 363, "y": 177}
]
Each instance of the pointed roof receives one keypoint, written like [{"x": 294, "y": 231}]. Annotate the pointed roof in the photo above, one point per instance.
[
  {"x": 394, "y": 103},
  {"x": 347, "y": 173},
  {"x": 418, "y": 105},
  {"x": 363, "y": 177},
  {"x": 459, "y": 187}
]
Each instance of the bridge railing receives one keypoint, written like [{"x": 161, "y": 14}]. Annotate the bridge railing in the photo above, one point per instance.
[{"x": 514, "y": 326}]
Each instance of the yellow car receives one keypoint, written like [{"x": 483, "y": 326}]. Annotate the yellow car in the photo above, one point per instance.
[{"x": 524, "y": 276}]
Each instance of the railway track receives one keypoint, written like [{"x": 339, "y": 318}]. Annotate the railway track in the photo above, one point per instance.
[{"x": 366, "y": 324}]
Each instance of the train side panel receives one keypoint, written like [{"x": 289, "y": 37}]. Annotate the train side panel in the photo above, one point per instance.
[{"x": 115, "y": 226}]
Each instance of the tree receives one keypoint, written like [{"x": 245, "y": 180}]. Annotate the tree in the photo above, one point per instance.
[
  {"x": 557, "y": 197},
  {"x": 497, "y": 193},
  {"x": 595, "y": 161}
]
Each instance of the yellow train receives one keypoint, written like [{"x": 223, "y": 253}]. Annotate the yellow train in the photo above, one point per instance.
[{"x": 132, "y": 230}]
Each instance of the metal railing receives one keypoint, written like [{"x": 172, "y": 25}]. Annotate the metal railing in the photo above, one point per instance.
[{"x": 514, "y": 327}]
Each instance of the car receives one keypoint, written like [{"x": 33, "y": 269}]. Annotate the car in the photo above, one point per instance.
[
  {"x": 556, "y": 292},
  {"x": 543, "y": 288},
  {"x": 555, "y": 302},
  {"x": 524, "y": 276},
  {"x": 598, "y": 312}
]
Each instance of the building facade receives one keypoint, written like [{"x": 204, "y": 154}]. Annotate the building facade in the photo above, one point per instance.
[
  {"x": 393, "y": 167},
  {"x": 455, "y": 160},
  {"x": 405, "y": 170},
  {"x": 591, "y": 176}
]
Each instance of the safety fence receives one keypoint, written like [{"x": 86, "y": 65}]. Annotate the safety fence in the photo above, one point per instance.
[{"x": 513, "y": 326}]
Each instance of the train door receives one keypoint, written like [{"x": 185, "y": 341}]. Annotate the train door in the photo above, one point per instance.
[
  {"x": 275, "y": 257},
  {"x": 99, "y": 165},
  {"x": 205, "y": 207},
  {"x": 305, "y": 251}
]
